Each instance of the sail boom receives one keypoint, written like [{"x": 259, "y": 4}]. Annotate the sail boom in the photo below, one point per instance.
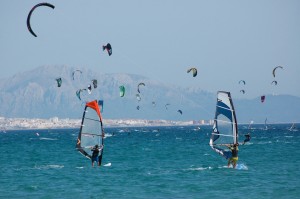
[
  {"x": 223, "y": 135},
  {"x": 92, "y": 134}
]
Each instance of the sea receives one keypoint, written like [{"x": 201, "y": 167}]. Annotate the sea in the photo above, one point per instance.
[{"x": 150, "y": 162}]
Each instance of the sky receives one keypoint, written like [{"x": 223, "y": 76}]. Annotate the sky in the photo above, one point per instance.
[{"x": 227, "y": 41}]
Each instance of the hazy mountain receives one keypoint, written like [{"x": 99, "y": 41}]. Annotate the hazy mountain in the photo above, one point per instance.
[{"x": 34, "y": 94}]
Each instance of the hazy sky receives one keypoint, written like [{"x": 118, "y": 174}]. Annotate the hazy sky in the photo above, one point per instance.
[{"x": 225, "y": 40}]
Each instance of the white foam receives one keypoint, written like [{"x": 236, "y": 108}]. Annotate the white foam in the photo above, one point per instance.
[
  {"x": 269, "y": 142},
  {"x": 43, "y": 138},
  {"x": 107, "y": 165},
  {"x": 241, "y": 167},
  {"x": 199, "y": 168},
  {"x": 50, "y": 166},
  {"x": 54, "y": 166}
]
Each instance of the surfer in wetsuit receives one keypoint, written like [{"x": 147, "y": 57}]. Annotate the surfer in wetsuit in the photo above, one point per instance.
[
  {"x": 247, "y": 139},
  {"x": 95, "y": 154},
  {"x": 234, "y": 154}
]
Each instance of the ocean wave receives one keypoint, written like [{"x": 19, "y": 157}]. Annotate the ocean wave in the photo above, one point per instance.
[
  {"x": 269, "y": 142},
  {"x": 240, "y": 166},
  {"x": 50, "y": 166},
  {"x": 44, "y": 138},
  {"x": 199, "y": 168}
]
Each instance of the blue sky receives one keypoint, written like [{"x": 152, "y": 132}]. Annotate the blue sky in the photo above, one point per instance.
[{"x": 225, "y": 40}]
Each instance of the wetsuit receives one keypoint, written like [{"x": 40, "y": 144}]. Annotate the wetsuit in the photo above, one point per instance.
[
  {"x": 234, "y": 152},
  {"x": 247, "y": 139},
  {"x": 95, "y": 154}
]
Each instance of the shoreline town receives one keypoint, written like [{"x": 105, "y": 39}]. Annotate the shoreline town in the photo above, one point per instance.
[{"x": 56, "y": 123}]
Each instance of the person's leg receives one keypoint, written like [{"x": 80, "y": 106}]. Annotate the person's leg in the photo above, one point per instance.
[
  {"x": 234, "y": 163},
  {"x": 229, "y": 161}
]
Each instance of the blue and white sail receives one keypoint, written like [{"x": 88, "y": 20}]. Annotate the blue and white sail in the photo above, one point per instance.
[
  {"x": 91, "y": 131},
  {"x": 225, "y": 131}
]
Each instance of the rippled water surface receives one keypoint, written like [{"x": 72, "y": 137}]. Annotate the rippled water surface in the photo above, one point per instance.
[{"x": 161, "y": 162}]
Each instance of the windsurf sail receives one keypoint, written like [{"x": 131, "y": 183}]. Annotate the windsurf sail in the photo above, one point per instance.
[
  {"x": 225, "y": 131},
  {"x": 293, "y": 127},
  {"x": 91, "y": 131},
  {"x": 266, "y": 125},
  {"x": 251, "y": 122}
]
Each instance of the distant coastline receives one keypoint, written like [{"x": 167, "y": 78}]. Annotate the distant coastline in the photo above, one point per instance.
[
  {"x": 66, "y": 123},
  {"x": 56, "y": 123}
]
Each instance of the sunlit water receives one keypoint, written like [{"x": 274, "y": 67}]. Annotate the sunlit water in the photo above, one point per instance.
[{"x": 172, "y": 162}]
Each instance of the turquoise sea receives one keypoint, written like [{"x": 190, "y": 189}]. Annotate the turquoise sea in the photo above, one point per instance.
[{"x": 149, "y": 162}]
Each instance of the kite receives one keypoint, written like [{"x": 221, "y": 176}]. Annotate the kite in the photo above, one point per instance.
[
  {"x": 30, "y": 13},
  {"x": 194, "y": 70},
  {"x": 108, "y": 49}
]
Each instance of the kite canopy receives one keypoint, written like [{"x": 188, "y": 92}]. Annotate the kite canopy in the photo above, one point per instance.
[
  {"x": 122, "y": 91},
  {"x": 89, "y": 89},
  {"x": 140, "y": 84},
  {"x": 59, "y": 81},
  {"x": 107, "y": 48},
  {"x": 242, "y": 81},
  {"x": 95, "y": 82},
  {"x": 30, "y": 13},
  {"x": 75, "y": 72},
  {"x": 78, "y": 93},
  {"x": 262, "y": 98},
  {"x": 194, "y": 70},
  {"x": 166, "y": 106},
  {"x": 275, "y": 82},
  {"x": 274, "y": 70},
  {"x": 138, "y": 97}
]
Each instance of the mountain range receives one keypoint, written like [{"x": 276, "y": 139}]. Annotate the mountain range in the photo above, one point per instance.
[{"x": 35, "y": 94}]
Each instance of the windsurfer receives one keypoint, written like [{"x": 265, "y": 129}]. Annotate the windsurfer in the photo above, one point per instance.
[
  {"x": 96, "y": 150},
  {"x": 247, "y": 139},
  {"x": 95, "y": 154},
  {"x": 234, "y": 154}
]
